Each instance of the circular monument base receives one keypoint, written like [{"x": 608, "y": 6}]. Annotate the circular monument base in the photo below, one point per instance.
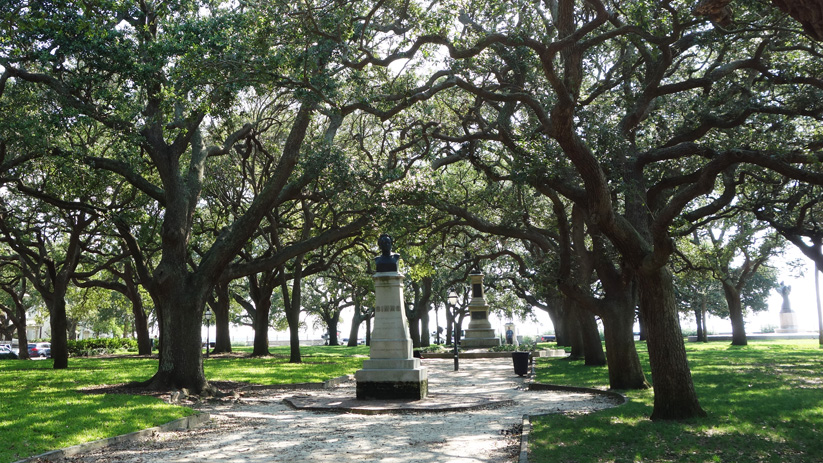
[{"x": 788, "y": 323}]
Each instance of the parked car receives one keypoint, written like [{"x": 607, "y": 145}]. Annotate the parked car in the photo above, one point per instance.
[
  {"x": 40, "y": 349},
  {"x": 360, "y": 341},
  {"x": 6, "y": 353},
  {"x": 547, "y": 338}
]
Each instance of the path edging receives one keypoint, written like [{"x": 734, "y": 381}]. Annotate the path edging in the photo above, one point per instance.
[
  {"x": 524, "y": 439},
  {"x": 187, "y": 422}
]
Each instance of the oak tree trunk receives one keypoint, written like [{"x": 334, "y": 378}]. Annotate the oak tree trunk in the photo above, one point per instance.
[
  {"x": 261, "y": 326},
  {"x": 22, "y": 338},
  {"x": 574, "y": 334},
  {"x": 181, "y": 360},
  {"x": 735, "y": 314},
  {"x": 356, "y": 321},
  {"x": 56, "y": 303},
  {"x": 625, "y": 370},
  {"x": 141, "y": 327},
  {"x": 699, "y": 320},
  {"x": 592, "y": 346},
  {"x": 220, "y": 306},
  {"x": 674, "y": 394},
  {"x": 425, "y": 335},
  {"x": 368, "y": 331},
  {"x": 332, "y": 323}
]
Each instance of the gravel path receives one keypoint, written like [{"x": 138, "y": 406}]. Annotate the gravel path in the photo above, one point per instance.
[{"x": 263, "y": 428}]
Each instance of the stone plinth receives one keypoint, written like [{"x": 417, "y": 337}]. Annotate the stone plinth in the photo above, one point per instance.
[
  {"x": 788, "y": 323},
  {"x": 479, "y": 333},
  {"x": 391, "y": 371}
]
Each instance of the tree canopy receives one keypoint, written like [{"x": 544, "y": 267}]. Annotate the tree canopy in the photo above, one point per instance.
[{"x": 184, "y": 145}]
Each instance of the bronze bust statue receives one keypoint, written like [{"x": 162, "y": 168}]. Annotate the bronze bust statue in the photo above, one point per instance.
[{"x": 386, "y": 261}]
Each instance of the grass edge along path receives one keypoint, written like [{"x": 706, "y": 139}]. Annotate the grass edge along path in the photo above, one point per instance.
[
  {"x": 765, "y": 404},
  {"x": 43, "y": 409}
]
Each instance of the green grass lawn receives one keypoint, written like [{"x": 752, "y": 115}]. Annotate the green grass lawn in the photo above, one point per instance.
[
  {"x": 765, "y": 404},
  {"x": 41, "y": 408}
]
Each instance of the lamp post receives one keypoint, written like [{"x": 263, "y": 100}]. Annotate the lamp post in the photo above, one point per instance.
[
  {"x": 453, "y": 303},
  {"x": 208, "y": 319}
]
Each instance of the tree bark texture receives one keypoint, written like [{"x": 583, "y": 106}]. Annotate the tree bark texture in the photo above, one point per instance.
[
  {"x": 261, "y": 289},
  {"x": 574, "y": 333},
  {"x": 425, "y": 334},
  {"x": 592, "y": 346},
  {"x": 291, "y": 301},
  {"x": 732, "y": 295},
  {"x": 181, "y": 364},
  {"x": 220, "y": 306},
  {"x": 56, "y": 303},
  {"x": 332, "y": 323},
  {"x": 674, "y": 394},
  {"x": 356, "y": 321},
  {"x": 625, "y": 370}
]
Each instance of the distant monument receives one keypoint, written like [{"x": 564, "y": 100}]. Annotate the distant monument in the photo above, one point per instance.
[
  {"x": 479, "y": 333},
  {"x": 391, "y": 371},
  {"x": 788, "y": 324}
]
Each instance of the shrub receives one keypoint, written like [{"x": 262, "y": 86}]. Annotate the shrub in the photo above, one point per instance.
[
  {"x": 433, "y": 348},
  {"x": 100, "y": 346}
]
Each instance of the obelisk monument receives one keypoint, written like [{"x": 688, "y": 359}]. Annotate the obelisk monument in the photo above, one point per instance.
[{"x": 391, "y": 372}]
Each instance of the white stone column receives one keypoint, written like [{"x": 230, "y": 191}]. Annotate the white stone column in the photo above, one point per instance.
[
  {"x": 391, "y": 372},
  {"x": 479, "y": 333}
]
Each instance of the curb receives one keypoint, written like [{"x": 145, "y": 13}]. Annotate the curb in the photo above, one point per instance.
[
  {"x": 188, "y": 422},
  {"x": 524, "y": 439}
]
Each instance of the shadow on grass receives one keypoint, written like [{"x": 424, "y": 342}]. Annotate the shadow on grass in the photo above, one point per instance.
[
  {"x": 46, "y": 411},
  {"x": 764, "y": 403}
]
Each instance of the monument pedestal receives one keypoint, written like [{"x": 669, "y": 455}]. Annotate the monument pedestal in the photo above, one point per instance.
[
  {"x": 479, "y": 333},
  {"x": 391, "y": 371},
  {"x": 788, "y": 323}
]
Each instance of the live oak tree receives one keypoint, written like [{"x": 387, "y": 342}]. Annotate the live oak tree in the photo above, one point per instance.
[
  {"x": 48, "y": 244},
  {"x": 157, "y": 76},
  {"x": 549, "y": 232},
  {"x": 631, "y": 110},
  {"x": 736, "y": 251}
]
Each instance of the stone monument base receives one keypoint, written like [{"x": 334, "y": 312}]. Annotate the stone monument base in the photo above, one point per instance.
[
  {"x": 478, "y": 338},
  {"x": 376, "y": 383},
  {"x": 788, "y": 324}
]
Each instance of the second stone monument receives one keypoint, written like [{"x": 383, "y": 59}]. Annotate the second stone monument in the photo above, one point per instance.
[
  {"x": 391, "y": 372},
  {"x": 480, "y": 333}
]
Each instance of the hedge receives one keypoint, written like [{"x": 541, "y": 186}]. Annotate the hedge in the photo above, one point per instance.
[{"x": 100, "y": 346}]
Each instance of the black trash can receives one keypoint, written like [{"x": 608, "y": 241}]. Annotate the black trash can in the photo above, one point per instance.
[{"x": 521, "y": 363}]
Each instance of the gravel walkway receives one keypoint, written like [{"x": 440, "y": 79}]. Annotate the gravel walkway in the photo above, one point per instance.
[{"x": 263, "y": 428}]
